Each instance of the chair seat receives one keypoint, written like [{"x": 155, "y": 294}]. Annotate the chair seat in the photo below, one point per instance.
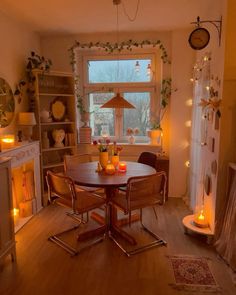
[
  {"x": 119, "y": 200},
  {"x": 87, "y": 188},
  {"x": 84, "y": 203}
]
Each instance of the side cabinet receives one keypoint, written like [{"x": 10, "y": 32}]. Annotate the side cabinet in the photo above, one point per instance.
[{"x": 7, "y": 236}]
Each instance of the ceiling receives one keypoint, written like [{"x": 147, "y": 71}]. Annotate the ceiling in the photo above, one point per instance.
[{"x": 91, "y": 16}]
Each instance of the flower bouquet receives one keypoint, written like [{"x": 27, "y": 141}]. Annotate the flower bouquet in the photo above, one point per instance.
[
  {"x": 115, "y": 152},
  {"x": 131, "y": 132},
  {"x": 103, "y": 147}
]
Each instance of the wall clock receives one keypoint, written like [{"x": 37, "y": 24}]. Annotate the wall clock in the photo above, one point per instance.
[{"x": 199, "y": 38}]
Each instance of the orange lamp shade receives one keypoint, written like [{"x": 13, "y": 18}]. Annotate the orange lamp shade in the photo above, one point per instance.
[{"x": 122, "y": 166}]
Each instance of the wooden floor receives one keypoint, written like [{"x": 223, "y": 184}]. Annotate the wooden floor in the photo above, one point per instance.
[{"x": 44, "y": 268}]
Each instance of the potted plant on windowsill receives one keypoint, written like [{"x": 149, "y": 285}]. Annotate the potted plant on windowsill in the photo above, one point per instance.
[{"x": 155, "y": 131}]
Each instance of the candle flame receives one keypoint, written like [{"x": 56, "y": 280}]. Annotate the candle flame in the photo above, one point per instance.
[
  {"x": 201, "y": 216},
  {"x": 8, "y": 140},
  {"x": 15, "y": 212}
]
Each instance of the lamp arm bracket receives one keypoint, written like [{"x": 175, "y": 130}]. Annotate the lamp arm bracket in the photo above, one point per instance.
[{"x": 216, "y": 23}]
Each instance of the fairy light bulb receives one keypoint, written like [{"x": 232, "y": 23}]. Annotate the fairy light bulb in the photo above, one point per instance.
[
  {"x": 149, "y": 70},
  {"x": 137, "y": 67},
  {"x": 187, "y": 164}
]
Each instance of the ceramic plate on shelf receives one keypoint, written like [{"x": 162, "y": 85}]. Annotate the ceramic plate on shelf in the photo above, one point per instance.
[{"x": 58, "y": 109}]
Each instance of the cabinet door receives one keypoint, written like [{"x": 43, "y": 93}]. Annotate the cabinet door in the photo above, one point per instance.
[{"x": 6, "y": 217}]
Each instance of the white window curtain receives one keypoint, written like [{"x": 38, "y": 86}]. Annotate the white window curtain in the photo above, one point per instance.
[{"x": 201, "y": 80}]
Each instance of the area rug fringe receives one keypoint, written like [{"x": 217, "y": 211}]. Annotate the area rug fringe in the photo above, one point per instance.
[
  {"x": 188, "y": 256},
  {"x": 197, "y": 289}
]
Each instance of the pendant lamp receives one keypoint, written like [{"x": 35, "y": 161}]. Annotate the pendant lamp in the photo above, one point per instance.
[{"x": 117, "y": 102}]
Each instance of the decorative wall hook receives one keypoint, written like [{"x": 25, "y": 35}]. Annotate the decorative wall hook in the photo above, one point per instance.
[{"x": 216, "y": 23}]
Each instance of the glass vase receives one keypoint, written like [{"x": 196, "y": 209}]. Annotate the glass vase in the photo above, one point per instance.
[
  {"x": 131, "y": 139},
  {"x": 115, "y": 161}
]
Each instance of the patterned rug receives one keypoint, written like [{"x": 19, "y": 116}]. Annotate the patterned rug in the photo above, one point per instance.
[{"x": 192, "y": 273}]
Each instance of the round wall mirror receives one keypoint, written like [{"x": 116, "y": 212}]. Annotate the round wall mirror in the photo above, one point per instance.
[{"x": 7, "y": 104}]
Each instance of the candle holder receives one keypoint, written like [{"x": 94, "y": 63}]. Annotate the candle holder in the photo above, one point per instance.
[
  {"x": 122, "y": 167},
  {"x": 200, "y": 218},
  {"x": 7, "y": 141},
  {"x": 110, "y": 169}
]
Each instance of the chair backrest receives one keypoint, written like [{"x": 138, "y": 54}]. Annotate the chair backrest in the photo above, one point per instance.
[
  {"x": 147, "y": 189},
  {"x": 71, "y": 161},
  {"x": 148, "y": 158},
  {"x": 61, "y": 186}
]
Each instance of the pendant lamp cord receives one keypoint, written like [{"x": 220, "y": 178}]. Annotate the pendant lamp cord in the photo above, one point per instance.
[
  {"x": 131, "y": 19},
  {"x": 118, "y": 41}
]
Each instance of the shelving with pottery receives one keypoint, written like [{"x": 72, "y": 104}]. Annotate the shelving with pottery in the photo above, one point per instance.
[{"x": 55, "y": 113}]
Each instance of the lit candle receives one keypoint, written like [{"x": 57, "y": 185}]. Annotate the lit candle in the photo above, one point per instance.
[
  {"x": 16, "y": 212},
  {"x": 110, "y": 168},
  {"x": 7, "y": 141},
  {"x": 122, "y": 166},
  {"x": 200, "y": 219}
]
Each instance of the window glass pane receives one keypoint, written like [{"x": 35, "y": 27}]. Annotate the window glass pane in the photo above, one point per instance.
[
  {"x": 101, "y": 120},
  {"x": 138, "y": 117},
  {"x": 108, "y": 71}
]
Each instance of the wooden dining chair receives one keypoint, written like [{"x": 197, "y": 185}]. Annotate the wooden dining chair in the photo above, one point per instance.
[
  {"x": 142, "y": 192},
  {"x": 62, "y": 192},
  {"x": 147, "y": 158},
  {"x": 72, "y": 161}
]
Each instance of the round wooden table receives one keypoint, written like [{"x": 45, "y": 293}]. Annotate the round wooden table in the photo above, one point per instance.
[{"x": 85, "y": 174}]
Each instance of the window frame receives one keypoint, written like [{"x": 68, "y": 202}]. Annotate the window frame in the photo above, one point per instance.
[{"x": 83, "y": 56}]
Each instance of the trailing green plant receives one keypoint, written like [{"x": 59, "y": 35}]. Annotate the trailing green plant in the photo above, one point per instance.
[
  {"x": 125, "y": 45},
  {"x": 166, "y": 91},
  {"x": 19, "y": 90},
  {"x": 36, "y": 61}
]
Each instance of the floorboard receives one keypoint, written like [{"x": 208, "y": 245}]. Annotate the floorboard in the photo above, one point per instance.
[{"x": 44, "y": 268}]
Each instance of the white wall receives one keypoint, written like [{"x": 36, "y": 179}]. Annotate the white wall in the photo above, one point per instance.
[
  {"x": 180, "y": 112},
  {"x": 216, "y": 71},
  {"x": 17, "y": 41}
]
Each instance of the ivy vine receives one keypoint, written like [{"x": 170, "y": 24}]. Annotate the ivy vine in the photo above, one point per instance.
[
  {"x": 110, "y": 48},
  {"x": 125, "y": 45}
]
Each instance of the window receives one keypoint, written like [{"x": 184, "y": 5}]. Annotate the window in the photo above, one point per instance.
[
  {"x": 133, "y": 75},
  {"x": 118, "y": 71}
]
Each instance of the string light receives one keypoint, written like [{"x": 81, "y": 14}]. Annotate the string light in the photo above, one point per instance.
[
  {"x": 189, "y": 102},
  {"x": 149, "y": 70},
  {"x": 187, "y": 164},
  {"x": 188, "y": 123},
  {"x": 137, "y": 67}
]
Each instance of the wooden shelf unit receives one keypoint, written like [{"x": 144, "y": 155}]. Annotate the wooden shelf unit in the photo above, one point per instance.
[
  {"x": 7, "y": 237},
  {"x": 48, "y": 87}
]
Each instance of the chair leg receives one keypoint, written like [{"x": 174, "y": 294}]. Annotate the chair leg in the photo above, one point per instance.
[
  {"x": 55, "y": 238},
  {"x": 158, "y": 241}
]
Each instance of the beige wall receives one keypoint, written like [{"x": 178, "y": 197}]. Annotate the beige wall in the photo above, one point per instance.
[
  {"x": 17, "y": 41},
  {"x": 227, "y": 146}
]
